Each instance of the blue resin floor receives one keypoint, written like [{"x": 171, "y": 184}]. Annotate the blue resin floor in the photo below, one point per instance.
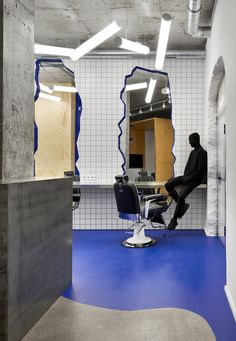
[{"x": 185, "y": 270}]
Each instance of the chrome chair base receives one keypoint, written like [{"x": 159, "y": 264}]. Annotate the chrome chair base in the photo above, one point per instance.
[{"x": 126, "y": 243}]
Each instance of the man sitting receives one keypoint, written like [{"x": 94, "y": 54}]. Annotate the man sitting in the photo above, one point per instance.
[{"x": 194, "y": 174}]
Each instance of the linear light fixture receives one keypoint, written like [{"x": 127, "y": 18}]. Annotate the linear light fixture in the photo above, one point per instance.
[
  {"x": 150, "y": 90},
  {"x": 131, "y": 46},
  {"x": 96, "y": 40},
  {"x": 62, "y": 88},
  {"x": 59, "y": 88},
  {"x": 84, "y": 48},
  {"x": 163, "y": 40},
  {"x": 50, "y": 97},
  {"x": 52, "y": 50},
  {"x": 45, "y": 88},
  {"x": 136, "y": 86}
]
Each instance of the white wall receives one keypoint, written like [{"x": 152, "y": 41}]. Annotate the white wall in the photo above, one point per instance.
[
  {"x": 99, "y": 81},
  {"x": 222, "y": 43}
]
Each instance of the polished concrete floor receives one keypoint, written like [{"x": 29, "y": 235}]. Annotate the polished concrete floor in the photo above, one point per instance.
[
  {"x": 67, "y": 320},
  {"x": 185, "y": 269}
]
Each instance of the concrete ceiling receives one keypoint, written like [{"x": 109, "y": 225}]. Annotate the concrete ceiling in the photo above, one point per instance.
[
  {"x": 55, "y": 73},
  {"x": 68, "y": 23}
]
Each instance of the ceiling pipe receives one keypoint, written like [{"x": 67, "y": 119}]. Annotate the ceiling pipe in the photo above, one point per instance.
[{"x": 194, "y": 9}]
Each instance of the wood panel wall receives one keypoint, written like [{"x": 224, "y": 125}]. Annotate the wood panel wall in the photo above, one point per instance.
[
  {"x": 163, "y": 144},
  {"x": 164, "y": 140},
  {"x": 56, "y": 135}
]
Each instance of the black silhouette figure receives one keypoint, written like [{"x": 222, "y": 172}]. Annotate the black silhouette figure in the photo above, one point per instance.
[{"x": 194, "y": 174}]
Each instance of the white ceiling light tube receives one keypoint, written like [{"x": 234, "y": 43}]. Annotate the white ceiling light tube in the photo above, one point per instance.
[
  {"x": 150, "y": 90},
  {"x": 131, "y": 46},
  {"x": 62, "y": 88},
  {"x": 163, "y": 40},
  {"x": 52, "y": 50},
  {"x": 45, "y": 88},
  {"x": 136, "y": 86},
  {"x": 50, "y": 97},
  {"x": 96, "y": 40}
]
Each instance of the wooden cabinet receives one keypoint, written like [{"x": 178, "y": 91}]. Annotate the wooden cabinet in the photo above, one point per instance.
[{"x": 163, "y": 141}]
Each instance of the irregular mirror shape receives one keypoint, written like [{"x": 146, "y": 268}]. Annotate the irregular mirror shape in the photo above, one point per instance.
[
  {"x": 57, "y": 119},
  {"x": 150, "y": 133}
]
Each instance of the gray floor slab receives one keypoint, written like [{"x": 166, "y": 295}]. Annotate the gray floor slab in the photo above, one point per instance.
[{"x": 72, "y": 321}]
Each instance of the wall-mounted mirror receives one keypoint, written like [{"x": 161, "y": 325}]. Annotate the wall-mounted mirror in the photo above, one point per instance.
[
  {"x": 57, "y": 119},
  {"x": 150, "y": 133}
]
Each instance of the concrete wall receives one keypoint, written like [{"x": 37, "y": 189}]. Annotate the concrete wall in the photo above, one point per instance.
[
  {"x": 222, "y": 44},
  {"x": 17, "y": 88},
  {"x": 35, "y": 216},
  {"x": 36, "y": 237}
]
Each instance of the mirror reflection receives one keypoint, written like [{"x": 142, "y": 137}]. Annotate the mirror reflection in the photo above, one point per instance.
[
  {"x": 56, "y": 113},
  {"x": 150, "y": 130}
]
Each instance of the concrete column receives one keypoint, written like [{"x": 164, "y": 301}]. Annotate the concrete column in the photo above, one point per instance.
[
  {"x": 35, "y": 215},
  {"x": 16, "y": 88}
]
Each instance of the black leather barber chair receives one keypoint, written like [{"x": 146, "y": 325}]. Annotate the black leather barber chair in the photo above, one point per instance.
[
  {"x": 129, "y": 208},
  {"x": 75, "y": 198},
  {"x": 76, "y": 194},
  {"x": 76, "y": 191}
]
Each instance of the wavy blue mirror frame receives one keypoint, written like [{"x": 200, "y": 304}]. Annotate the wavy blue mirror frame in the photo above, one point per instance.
[
  {"x": 125, "y": 111},
  {"x": 78, "y": 110}
]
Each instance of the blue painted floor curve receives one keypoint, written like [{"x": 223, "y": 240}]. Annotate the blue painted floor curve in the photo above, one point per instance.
[{"x": 185, "y": 270}]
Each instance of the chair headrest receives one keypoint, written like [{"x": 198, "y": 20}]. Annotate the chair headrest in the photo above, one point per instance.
[
  {"x": 121, "y": 178},
  {"x": 143, "y": 172}
]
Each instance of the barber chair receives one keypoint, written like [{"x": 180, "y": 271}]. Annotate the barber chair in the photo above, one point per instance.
[
  {"x": 75, "y": 198},
  {"x": 130, "y": 208},
  {"x": 76, "y": 191},
  {"x": 76, "y": 195},
  {"x": 144, "y": 176}
]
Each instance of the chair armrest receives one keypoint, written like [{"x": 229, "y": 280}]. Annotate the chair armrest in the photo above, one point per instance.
[{"x": 156, "y": 197}]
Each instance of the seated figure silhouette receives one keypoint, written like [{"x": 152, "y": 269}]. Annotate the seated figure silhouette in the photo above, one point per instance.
[{"x": 194, "y": 174}]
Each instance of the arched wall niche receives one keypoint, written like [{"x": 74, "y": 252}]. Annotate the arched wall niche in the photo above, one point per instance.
[{"x": 212, "y": 147}]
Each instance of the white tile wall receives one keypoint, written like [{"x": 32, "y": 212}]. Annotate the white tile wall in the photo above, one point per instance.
[{"x": 99, "y": 82}]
